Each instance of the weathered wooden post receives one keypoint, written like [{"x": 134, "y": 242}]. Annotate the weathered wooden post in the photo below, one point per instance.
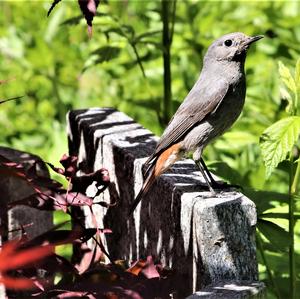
[{"x": 210, "y": 241}]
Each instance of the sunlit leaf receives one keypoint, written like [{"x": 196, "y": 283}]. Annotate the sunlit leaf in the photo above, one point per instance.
[
  {"x": 286, "y": 77},
  {"x": 278, "y": 216},
  {"x": 277, "y": 141},
  {"x": 290, "y": 84},
  {"x": 101, "y": 55},
  {"x": 277, "y": 236},
  {"x": 140, "y": 37},
  {"x": 265, "y": 200}
]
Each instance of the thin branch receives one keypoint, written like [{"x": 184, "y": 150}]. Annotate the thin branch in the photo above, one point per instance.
[
  {"x": 10, "y": 99},
  {"x": 54, "y": 3}
]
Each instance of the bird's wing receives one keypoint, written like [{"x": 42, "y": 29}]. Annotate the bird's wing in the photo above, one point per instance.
[{"x": 202, "y": 100}]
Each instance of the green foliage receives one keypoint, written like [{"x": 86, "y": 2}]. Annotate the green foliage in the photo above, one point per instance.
[
  {"x": 278, "y": 140},
  {"x": 278, "y": 236}
]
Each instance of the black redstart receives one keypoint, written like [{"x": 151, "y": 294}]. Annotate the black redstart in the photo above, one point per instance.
[{"x": 211, "y": 107}]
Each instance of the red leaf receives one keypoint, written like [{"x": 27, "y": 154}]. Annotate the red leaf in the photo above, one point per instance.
[
  {"x": 38, "y": 200},
  {"x": 137, "y": 267},
  {"x": 56, "y": 169},
  {"x": 7, "y": 169},
  {"x": 145, "y": 267},
  {"x": 150, "y": 271},
  {"x": 75, "y": 295},
  {"x": 17, "y": 283},
  {"x": 81, "y": 183},
  {"x": 89, "y": 258},
  {"x": 21, "y": 258},
  {"x": 13, "y": 169},
  {"x": 51, "y": 201},
  {"x": 78, "y": 199},
  {"x": 111, "y": 295},
  {"x": 88, "y": 8},
  {"x": 56, "y": 263},
  {"x": 70, "y": 164}
]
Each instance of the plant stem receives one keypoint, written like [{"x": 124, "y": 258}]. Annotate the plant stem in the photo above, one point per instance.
[
  {"x": 173, "y": 19},
  {"x": 166, "y": 41},
  {"x": 264, "y": 259},
  {"x": 139, "y": 60},
  {"x": 292, "y": 191},
  {"x": 294, "y": 187}
]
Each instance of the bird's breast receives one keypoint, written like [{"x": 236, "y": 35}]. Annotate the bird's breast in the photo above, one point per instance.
[{"x": 216, "y": 123}]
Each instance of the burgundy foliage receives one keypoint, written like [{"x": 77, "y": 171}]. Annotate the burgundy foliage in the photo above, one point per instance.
[
  {"x": 49, "y": 194},
  {"x": 88, "y": 9},
  {"x": 19, "y": 259},
  {"x": 88, "y": 277}
]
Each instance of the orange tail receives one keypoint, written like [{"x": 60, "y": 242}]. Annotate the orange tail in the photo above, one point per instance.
[{"x": 165, "y": 160}]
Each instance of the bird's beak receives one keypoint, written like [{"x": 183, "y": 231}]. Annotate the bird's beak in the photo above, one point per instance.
[{"x": 251, "y": 40}]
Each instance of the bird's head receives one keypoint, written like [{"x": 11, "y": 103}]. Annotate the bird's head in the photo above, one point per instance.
[{"x": 231, "y": 47}]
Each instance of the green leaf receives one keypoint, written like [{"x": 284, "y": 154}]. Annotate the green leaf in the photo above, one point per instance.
[
  {"x": 72, "y": 21},
  {"x": 102, "y": 54},
  {"x": 146, "y": 34},
  {"x": 286, "y": 77},
  {"x": 224, "y": 171},
  {"x": 279, "y": 216},
  {"x": 265, "y": 200},
  {"x": 116, "y": 30},
  {"x": 277, "y": 141},
  {"x": 54, "y": 23},
  {"x": 148, "y": 103},
  {"x": 277, "y": 236},
  {"x": 236, "y": 140},
  {"x": 106, "y": 53}
]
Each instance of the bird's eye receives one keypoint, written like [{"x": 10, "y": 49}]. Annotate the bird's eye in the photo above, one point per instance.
[{"x": 228, "y": 43}]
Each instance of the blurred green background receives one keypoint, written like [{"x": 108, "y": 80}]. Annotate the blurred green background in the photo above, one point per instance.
[{"x": 54, "y": 63}]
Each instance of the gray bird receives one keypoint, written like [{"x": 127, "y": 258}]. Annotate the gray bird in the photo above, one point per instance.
[{"x": 211, "y": 107}]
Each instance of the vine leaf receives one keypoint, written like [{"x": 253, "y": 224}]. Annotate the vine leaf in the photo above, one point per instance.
[{"x": 278, "y": 140}]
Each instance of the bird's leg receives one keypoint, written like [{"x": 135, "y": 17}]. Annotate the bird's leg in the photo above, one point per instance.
[
  {"x": 212, "y": 180},
  {"x": 202, "y": 170},
  {"x": 197, "y": 158},
  {"x": 214, "y": 183}
]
